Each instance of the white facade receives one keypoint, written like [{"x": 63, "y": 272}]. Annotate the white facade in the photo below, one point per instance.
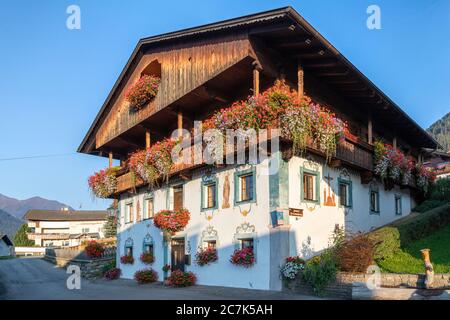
[
  {"x": 273, "y": 242},
  {"x": 65, "y": 230}
]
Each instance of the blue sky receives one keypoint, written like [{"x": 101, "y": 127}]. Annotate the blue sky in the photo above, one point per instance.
[{"x": 54, "y": 80}]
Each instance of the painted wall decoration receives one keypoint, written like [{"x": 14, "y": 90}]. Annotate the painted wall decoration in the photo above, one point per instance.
[
  {"x": 226, "y": 192},
  {"x": 328, "y": 193}
]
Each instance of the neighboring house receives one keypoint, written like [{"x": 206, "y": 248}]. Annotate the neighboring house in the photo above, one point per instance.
[
  {"x": 63, "y": 228},
  {"x": 6, "y": 246},
  {"x": 440, "y": 162},
  {"x": 294, "y": 211}
]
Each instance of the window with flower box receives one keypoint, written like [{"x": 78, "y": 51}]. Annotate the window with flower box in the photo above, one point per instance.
[
  {"x": 148, "y": 246},
  {"x": 129, "y": 247},
  {"x": 310, "y": 185},
  {"x": 245, "y": 186}
]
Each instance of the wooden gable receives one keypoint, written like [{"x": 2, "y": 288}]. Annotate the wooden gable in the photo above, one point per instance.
[{"x": 183, "y": 67}]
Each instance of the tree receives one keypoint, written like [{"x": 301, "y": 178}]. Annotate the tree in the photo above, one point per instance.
[
  {"x": 110, "y": 226},
  {"x": 21, "y": 237}
]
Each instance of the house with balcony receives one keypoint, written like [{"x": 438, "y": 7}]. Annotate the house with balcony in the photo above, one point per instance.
[
  {"x": 260, "y": 71},
  {"x": 64, "y": 228}
]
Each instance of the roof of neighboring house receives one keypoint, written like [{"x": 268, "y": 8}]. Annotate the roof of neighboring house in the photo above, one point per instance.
[
  {"x": 5, "y": 238},
  {"x": 61, "y": 215},
  {"x": 272, "y": 16}
]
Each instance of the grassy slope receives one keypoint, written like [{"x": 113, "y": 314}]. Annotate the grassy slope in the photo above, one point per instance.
[{"x": 409, "y": 260}]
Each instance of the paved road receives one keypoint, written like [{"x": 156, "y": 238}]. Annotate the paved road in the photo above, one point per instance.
[{"x": 34, "y": 278}]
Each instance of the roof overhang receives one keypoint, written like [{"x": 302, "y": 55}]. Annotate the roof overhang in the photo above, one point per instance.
[{"x": 342, "y": 69}]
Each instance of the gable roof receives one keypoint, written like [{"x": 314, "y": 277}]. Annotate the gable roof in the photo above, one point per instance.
[
  {"x": 271, "y": 16},
  {"x": 5, "y": 238},
  {"x": 61, "y": 215}
]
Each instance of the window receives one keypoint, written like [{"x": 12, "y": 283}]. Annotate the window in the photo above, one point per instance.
[
  {"x": 177, "y": 197},
  {"x": 245, "y": 186},
  {"x": 85, "y": 230},
  {"x": 398, "y": 205},
  {"x": 345, "y": 193},
  {"x": 148, "y": 208},
  {"x": 129, "y": 213},
  {"x": 374, "y": 201},
  {"x": 209, "y": 192},
  {"x": 129, "y": 251},
  {"x": 148, "y": 248},
  {"x": 246, "y": 243},
  {"x": 310, "y": 185},
  {"x": 210, "y": 244}
]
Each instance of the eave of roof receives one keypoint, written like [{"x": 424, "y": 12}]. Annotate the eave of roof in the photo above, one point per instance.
[
  {"x": 248, "y": 20},
  {"x": 55, "y": 215}
]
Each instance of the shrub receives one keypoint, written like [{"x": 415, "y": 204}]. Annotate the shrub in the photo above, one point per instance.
[
  {"x": 145, "y": 276},
  {"x": 424, "y": 224},
  {"x": 108, "y": 266},
  {"x": 320, "y": 271},
  {"x": 94, "y": 249},
  {"x": 428, "y": 205},
  {"x": 127, "y": 259},
  {"x": 386, "y": 242},
  {"x": 440, "y": 190},
  {"x": 356, "y": 254},
  {"x": 244, "y": 257},
  {"x": 113, "y": 273},
  {"x": 206, "y": 256},
  {"x": 147, "y": 258},
  {"x": 179, "y": 278}
]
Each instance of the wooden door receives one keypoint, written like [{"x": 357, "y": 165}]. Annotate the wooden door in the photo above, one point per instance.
[{"x": 177, "y": 249}]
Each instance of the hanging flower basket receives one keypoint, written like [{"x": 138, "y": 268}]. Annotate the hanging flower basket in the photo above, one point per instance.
[
  {"x": 147, "y": 258},
  {"x": 206, "y": 256},
  {"x": 172, "y": 221},
  {"x": 126, "y": 259},
  {"x": 244, "y": 257},
  {"x": 142, "y": 92},
  {"x": 104, "y": 182}
]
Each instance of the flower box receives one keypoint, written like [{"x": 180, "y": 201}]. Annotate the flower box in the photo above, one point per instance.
[
  {"x": 206, "y": 256},
  {"x": 243, "y": 257},
  {"x": 126, "y": 259},
  {"x": 142, "y": 92},
  {"x": 147, "y": 258}
]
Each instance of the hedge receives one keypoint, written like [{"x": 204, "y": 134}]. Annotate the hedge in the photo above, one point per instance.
[{"x": 389, "y": 239}]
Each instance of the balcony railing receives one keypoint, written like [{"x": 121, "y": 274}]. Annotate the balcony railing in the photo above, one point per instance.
[
  {"x": 48, "y": 236},
  {"x": 350, "y": 151}
]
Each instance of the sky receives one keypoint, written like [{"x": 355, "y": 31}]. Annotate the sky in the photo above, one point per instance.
[{"x": 54, "y": 80}]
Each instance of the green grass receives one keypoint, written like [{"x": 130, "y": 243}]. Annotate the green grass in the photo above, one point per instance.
[
  {"x": 409, "y": 259},
  {"x": 7, "y": 257}
]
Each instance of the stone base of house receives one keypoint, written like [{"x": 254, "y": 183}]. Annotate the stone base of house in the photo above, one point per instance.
[
  {"x": 346, "y": 282},
  {"x": 90, "y": 268}
]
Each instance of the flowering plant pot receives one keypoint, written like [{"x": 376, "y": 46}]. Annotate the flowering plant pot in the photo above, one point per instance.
[
  {"x": 113, "y": 274},
  {"x": 104, "y": 182},
  {"x": 206, "y": 256},
  {"x": 146, "y": 276},
  {"x": 244, "y": 257},
  {"x": 94, "y": 249},
  {"x": 292, "y": 267},
  {"x": 179, "y": 278},
  {"x": 126, "y": 259},
  {"x": 147, "y": 258},
  {"x": 172, "y": 221},
  {"x": 142, "y": 92},
  {"x": 166, "y": 268},
  {"x": 424, "y": 177}
]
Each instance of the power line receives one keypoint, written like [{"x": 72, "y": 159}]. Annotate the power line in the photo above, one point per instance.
[{"x": 38, "y": 156}]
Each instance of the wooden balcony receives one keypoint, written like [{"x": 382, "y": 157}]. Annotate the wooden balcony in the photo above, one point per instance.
[
  {"x": 351, "y": 152},
  {"x": 48, "y": 236}
]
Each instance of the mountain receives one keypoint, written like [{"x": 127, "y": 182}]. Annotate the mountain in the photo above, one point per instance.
[
  {"x": 440, "y": 130},
  {"x": 9, "y": 224},
  {"x": 18, "y": 208}
]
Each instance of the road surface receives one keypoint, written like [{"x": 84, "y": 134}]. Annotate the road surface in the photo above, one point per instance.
[{"x": 35, "y": 278}]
